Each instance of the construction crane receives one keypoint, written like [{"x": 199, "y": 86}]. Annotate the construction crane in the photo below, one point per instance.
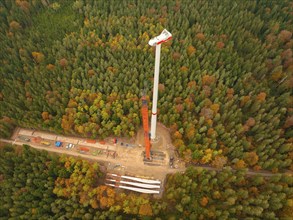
[{"x": 145, "y": 122}]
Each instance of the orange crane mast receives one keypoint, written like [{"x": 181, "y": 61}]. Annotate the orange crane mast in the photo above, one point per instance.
[{"x": 145, "y": 122}]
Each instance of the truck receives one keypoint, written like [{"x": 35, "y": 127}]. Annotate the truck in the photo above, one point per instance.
[
  {"x": 85, "y": 149},
  {"x": 46, "y": 143},
  {"x": 37, "y": 139},
  {"x": 91, "y": 141}
]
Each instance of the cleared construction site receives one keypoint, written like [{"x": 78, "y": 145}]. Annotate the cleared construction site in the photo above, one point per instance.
[{"x": 119, "y": 156}]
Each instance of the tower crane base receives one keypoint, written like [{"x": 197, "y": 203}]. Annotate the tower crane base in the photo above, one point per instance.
[{"x": 157, "y": 158}]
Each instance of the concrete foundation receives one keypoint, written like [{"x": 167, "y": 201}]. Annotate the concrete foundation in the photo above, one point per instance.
[{"x": 157, "y": 143}]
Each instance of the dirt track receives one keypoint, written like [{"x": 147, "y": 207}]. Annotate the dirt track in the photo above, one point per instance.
[{"x": 129, "y": 160}]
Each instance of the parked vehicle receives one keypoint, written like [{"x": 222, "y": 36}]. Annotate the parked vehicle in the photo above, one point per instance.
[
  {"x": 37, "y": 139},
  {"x": 102, "y": 142},
  {"x": 85, "y": 149},
  {"x": 58, "y": 144},
  {"x": 171, "y": 162},
  {"x": 69, "y": 146},
  {"x": 23, "y": 138},
  {"x": 45, "y": 143},
  {"x": 91, "y": 141}
]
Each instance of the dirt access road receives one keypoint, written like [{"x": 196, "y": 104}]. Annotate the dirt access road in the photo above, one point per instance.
[
  {"x": 125, "y": 157},
  {"x": 128, "y": 159}
]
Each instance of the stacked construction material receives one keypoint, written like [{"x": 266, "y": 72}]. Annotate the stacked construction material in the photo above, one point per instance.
[{"x": 134, "y": 183}]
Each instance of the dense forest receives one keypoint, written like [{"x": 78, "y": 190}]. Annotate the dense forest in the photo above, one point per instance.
[
  {"x": 36, "y": 185},
  {"x": 78, "y": 67}
]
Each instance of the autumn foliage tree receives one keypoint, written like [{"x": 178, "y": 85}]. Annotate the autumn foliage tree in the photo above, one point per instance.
[{"x": 215, "y": 74}]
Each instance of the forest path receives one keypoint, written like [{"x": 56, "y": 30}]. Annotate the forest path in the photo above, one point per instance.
[
  {"x": 156, "y": 172},
  {"x": 129, "y": 160}
]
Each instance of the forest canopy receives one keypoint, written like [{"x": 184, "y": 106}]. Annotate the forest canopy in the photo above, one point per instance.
[
  {"x": 78, "y": 67},
  {"x": 38, "y": 185}
]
